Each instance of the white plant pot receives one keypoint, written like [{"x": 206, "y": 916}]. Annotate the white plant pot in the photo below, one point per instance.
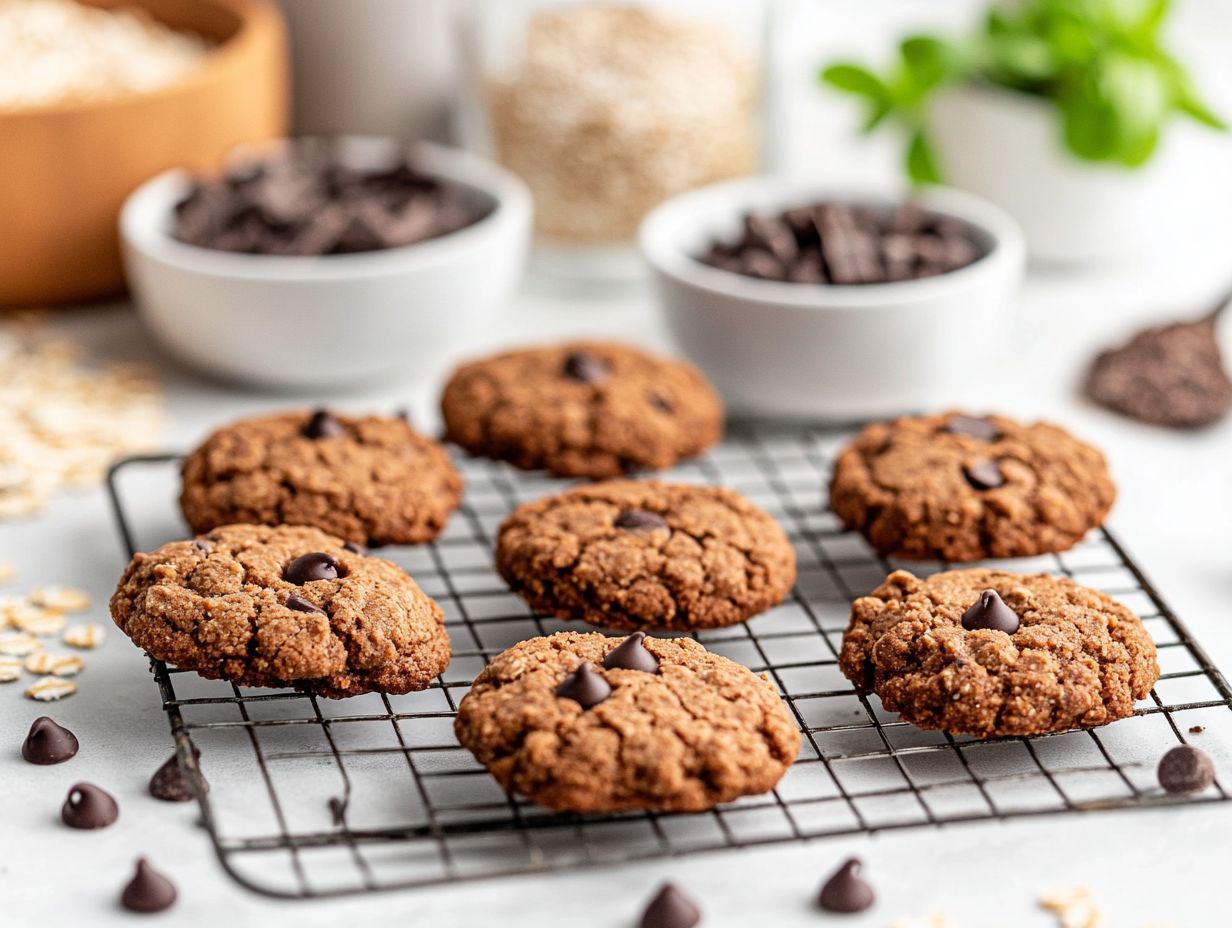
[{"x": 1007, "y": 147}]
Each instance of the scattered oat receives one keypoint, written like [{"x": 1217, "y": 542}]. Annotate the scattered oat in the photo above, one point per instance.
[
  {"x": 49, "y": 689},
  {"x": 86, "y": 637},
  {"x": 58, "y": 665},
  {"x": 925, "y": 921},
  {"x": 1073, "y": 908},
  {"x": 37, "y": 620},
  {"x": 19, "y": 644},
  {"x": 60, "y": 598},
  {"x": 10, "y": 669}
]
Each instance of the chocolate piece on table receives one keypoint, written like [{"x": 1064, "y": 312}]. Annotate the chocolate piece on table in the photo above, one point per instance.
[
  {"x": 846, "y": 891},
  {"x": 170, "y": 784},
  {"x": 87, "y": 806},
  {"x": 991, "y": 612},
  {"x": 632, "y": 654},
  {"x": 983, "y": 474},
  {"x": 1185, "y": 769},
  {"x": 316, "y": 565},
  {"x": 584, "y": 686},
  {"x": 148, "y": 890},
  {"x": 48, "y": 743},
  {"x": 670, "y": 908},
  {"x": 640, "y": 520},
  {"x": 323, "y": 425}
]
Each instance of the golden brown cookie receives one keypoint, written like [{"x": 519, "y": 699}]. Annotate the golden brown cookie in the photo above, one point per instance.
[
  {"x": 586, "y": 409},
  {"x": 371, "y": 480},
  {"x": 282, "y": 606},
  {"x": 1038, "y": 654},
  {"x": 645, "y": 554},
  {"x": 648, "y": 723},
  {"x": 961, "y": 488}
]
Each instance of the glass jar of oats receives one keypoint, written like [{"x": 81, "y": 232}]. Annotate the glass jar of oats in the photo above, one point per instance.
[{"x": 606, "y": 109}]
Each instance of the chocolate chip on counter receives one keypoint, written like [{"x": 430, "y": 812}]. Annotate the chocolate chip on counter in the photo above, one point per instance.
[
  {"x": 299, "y": 604},
  {"x": 632, "y": 654},
  {"x": 323, "y": 425},
  {"x": 48, "y": 743},
  {"x": 355, "y": 548},
  {"x": 991, "y": 612},
  {"x": 1197, "y": 729},
  {"x": 170, "y": 784},
  {"x": 973, "y": 427},
  {"x": 640, "y": 520},
  {"x": 670, "y": 908},
  {"x": 1185, "y": 769},
  {"x": 87, "y": 806},
  {"x": 148, "y": 890},
  {"x": 584, "y": 686},
  {"x": 316, "y": 565},
  {"x": 846, "y": 891},
  {"x": 585, "y": 367},
  {"x": 983, "y": 474}
]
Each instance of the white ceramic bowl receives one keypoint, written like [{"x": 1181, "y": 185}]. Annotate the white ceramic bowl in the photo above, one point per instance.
[
  {"x": 333, "y": 320},
  {"x": 820, "y": 351}
]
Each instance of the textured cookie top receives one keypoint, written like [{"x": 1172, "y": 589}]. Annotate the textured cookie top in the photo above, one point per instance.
[
  {"x": 1077, "y": 658},
  {"x": 959, "y": 488},
  {"x": 645, "y": 554},
  {"x": 285, "y": 606},
  {"x": 371, "y": 480},
  {"x": 590, "y": 409},
  {"x": 701, "y": 731}
]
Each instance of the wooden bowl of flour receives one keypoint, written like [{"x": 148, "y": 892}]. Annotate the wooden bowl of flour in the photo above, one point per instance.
[{"x": 66, "y": 167}]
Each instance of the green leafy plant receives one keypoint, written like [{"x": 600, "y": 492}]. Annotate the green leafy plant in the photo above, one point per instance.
[{"x": 1100, "y": 62}]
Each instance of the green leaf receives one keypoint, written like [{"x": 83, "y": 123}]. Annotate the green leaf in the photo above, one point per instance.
[
  {"x": 854, "y": 78},
  {"x": 1091, "y": 127},
  {"x": 1196, "y": 109},
  {"x": 921, "y": 162},
  {"x": 930, "y": 62}
]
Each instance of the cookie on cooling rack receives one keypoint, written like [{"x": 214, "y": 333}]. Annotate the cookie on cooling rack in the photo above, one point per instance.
[
  {"x": 961, "y": 488},
  {"x": 991, "y": 653},
  {"x": 587, "y": 723},
  {"x": 585, "y": 409},
  {"x": 283, "y": 606},
  {"x": 371, "y": 480},
  {"x": 633, "y": 554}
]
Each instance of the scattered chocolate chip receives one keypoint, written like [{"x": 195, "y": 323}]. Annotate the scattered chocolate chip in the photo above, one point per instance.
[
  {"x": 1186, "y": 769},
  {"x": 170, "y": 784},
  {"x": 314, "y": 566},
  {"x": 991, "y": 612},
  {"x": 1197, "y": 729},
  {"x": 640, "y": 520},
  {"x": 355, "y": 548},
  {"x": 846, "y": 890},
  {"x": 48, "y": 743},
  {"x": 632, "y": 654},
  {"x": 973, "y": 427},
  {"x": 203, "y": 546},
  {"x": 670, "y": 908},
  {"x": 584, "y": 686},
  {"x": 323, "y": 425},
  {"x": 87, "y": 806},
  {"x": 148, "y": 890},
  {"x": 299, "y": 604},
  {"x": 983, "y": 474},
  {"x": 585, "y": 367}
]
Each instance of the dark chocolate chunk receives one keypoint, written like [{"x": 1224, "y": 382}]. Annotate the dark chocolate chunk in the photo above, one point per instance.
[
  {"x": 355, "y": 548},
  {"x": 973, "y": 427},
  {"x": 87, "y": 806},
  {"x": 991, "y": 612},
  {"x": 299, "y": 604},
  {"x": 48, "y": 743},
  {"x": 846, "y": 891},
  {"x": 1197, "y": 729},
  {"x": 203, "y": 546},
  {"x": 983, "y": 474},
  {"x": 670, "y": 908},
  {"x": 632, "y": 654},
  {"x": 170, "y": 784},
  {"x": 584, "y": 686},
  {"x": 148, "y": 890},
  {"x": 661, "y": 403},
  {"x": 585, "y": 367},
  {"x": 1186, "y": 769},
  {"x": 323, "y": 425},
  {"x": 316, "y": 565},
  {"x": 640, "y": 520}
]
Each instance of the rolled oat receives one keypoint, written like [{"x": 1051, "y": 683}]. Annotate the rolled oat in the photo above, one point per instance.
[{"x": 50, "y": 689}]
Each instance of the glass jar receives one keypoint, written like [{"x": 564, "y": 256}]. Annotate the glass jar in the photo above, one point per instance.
[{"x": 606, "y": 109}]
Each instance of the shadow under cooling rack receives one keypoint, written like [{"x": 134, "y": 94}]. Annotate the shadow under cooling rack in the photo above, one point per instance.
[{"x": 311, "y": 797}]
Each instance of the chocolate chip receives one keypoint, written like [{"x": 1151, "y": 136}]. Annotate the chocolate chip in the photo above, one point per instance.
[
  {"x": 585, "y": 367},
  {"x": 632, "y": 654},
  {"x": 170, "y": 784},
  {"x": 1186, "y": 769},
  {"x": 584, "y": 686},
  {"x": 203, "y": 546},
  {"x": 983, "y": 474},
  {"x": 990, "y": 612},
  {"x": 670, "y": 908},
  {"x": 323, "y": 425},
  {"x": 661, "y": 403},
  {"x": 640, "y": 520},
  {"x": 87, "y": 806},
  {"x": 299, "y": 604},
  {"x": 1197, "y": 729},
  {"x": 973, "y": 427},
  {"x": 355, "y": 548},
  {"x": 148, "y": 890},
  {"x": 48, "y": 743},
  {"x": 846, "y": 890},
  {"x": 314, "y": 566}
]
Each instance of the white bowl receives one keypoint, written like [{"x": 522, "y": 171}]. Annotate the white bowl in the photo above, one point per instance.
[
  {"x": 332, "y": 320},
  {"x": 821, "y": 351}
]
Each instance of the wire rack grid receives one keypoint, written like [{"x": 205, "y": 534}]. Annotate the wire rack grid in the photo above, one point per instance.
[{"x": 311, "y": 797}]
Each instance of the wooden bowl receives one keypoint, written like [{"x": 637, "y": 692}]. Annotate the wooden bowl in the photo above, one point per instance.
[{"x": 65, "y": 168}]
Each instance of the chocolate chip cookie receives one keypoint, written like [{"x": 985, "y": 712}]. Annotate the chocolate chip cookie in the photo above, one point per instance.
[
  {"x": 282, "y": 606},
  {"x": 587, "y": 723},
  {"x": 991, "y": 653},
  {"x": 645, "y": 554},
  {"x": 370, "y": 480},
  {"x": 585, "y": 409},
  {"x": 962, "y": 488}
]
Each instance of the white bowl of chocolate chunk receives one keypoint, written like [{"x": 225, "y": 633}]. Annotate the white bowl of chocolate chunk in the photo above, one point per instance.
[
  {"x": 802, "y": 301},
  {"x": 325, "y": 262}
]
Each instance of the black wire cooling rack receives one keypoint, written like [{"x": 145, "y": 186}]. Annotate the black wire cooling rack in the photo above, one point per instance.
[{"x": 311, "y": 797}]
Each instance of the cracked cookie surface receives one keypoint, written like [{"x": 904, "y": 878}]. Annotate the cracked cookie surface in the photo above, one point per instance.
[
  {"x": 377, "y": 481},
  {"x": 586, "y": 409},
  {"x": 1078, "y": 658},
  {"x": 218, "y": 605},
  {"x": 702, "y": 731},
  {"x": 646, "y": 555},
  {"x": 958, "y": 488}
]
